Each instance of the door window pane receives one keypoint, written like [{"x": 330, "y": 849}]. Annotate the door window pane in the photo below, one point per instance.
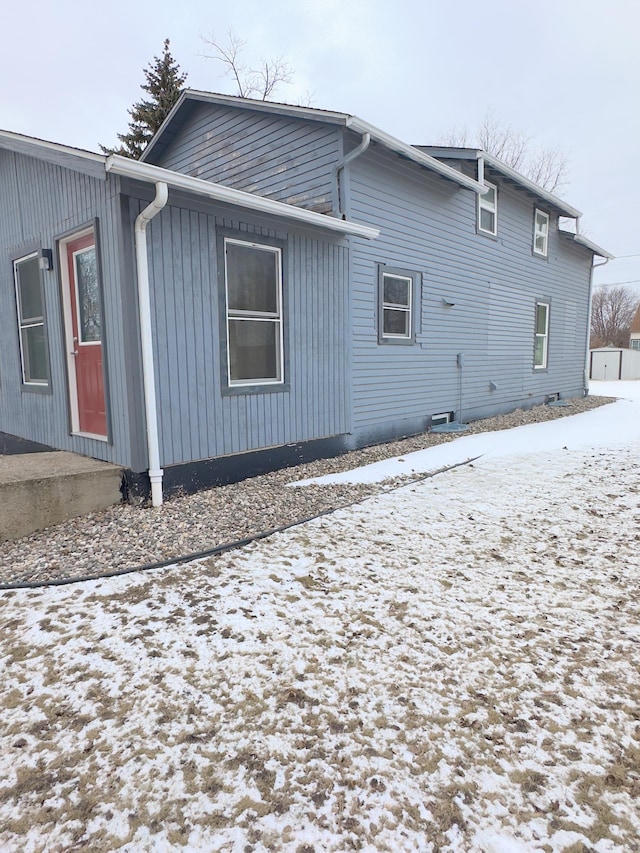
[{"x": 89, "y": 310}]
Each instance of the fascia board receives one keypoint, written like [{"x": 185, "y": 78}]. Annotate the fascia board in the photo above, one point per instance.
[
  {"x": 545, "y": 195},
  {"x": 411, "y": 153},
  {"x": 146, "y": 172},
  {"x": 588, "y": 244},
  {"x": 77, "y": 159}
]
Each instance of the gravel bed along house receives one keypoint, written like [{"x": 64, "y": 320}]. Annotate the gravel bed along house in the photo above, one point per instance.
[{"x": 127, "y": 536}]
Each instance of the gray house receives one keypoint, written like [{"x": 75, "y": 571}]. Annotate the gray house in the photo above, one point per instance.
[{"x": 275, "y": 283}]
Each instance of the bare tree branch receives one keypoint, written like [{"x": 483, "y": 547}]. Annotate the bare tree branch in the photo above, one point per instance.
[
  {"x": 547, "y": 167},
  {"x": 260, "y": 82},
  {"x": 612, "y": 311}
]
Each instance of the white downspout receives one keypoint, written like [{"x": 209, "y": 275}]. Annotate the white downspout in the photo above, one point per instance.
[
  {"x": 360, "y": 149},
  {"x": 148, "y": 371},
  {"x": 587, "y": 367}
]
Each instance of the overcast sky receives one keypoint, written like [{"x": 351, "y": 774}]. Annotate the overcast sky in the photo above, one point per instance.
[{"x": 567, "y": 71}]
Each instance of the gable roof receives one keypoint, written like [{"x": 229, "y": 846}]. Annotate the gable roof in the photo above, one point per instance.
[
  {"x": 635, "y": 323},
  {"x": 190, "y": 98},
  {"x": 99, "y": 165}
]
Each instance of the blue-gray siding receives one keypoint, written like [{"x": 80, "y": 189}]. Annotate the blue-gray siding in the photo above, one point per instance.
[
  {"x": 39, "y": 202},
  {"x": 198, "y": 420},
  {"x": 428, "y": 225},
  {"x": 286, "y": 159}
]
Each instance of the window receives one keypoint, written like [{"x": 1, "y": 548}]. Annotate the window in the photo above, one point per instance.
[
  {"x": 396, "y": 305},
  {"x": 253, "y": 282},
  {"x": 488, "y": 210},
  {"x": 31, "y": 322},
  {"x": 540, "y": 233},
  {"x": 635, "y": 344},
  {"x": 541, "y": 340}
]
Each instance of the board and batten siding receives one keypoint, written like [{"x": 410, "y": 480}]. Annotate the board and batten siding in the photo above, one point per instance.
[
  {"x": 428, "y": 225},
  {"x": 198, "y": 418},
  {"x": 286, "y": 159},
  {"x": 39, "y": 202}
]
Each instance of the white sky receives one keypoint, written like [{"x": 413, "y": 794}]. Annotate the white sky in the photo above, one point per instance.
[{"x": 568, "y": 72}]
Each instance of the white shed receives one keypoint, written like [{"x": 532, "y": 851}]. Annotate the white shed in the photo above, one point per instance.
[{"x": 607, "y": 363}]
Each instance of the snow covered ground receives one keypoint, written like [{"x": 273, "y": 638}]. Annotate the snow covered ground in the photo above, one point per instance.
[{"x": 450, "y": 666}]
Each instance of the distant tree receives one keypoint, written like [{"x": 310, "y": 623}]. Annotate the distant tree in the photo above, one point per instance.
[
  {"x": 164, "y": 83},
  {"x": 612, "y": 310},
  {"x": 547, "y": 167},
  {"x": 259, "y": 83}
]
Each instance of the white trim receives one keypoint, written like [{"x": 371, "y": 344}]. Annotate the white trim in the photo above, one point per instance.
[
  {"x": 69, "y": 342},
  {"x": 269, "y": 317},
  {"x": 544, "y": 336},
  {"x": 30, "y": 383},
  {"x": 541, "y": 232},
  {"x": 393, "y": 306},
  {"x": 484, "y": 204},
  {"x": 144, "y": 172},
  {"x": 441, "y": 418}
]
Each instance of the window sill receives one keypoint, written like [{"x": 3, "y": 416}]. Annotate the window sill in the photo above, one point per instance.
[{"x": 247, "y": 390}]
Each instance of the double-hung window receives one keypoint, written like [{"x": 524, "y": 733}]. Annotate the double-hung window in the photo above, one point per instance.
[
  {"x": 31, "y": 321},
  {"x": 396, "y": 299},
  {"x": 540, "y": 233},
  {"x": 541, "y": 337},
  {"x": 253, "y": 283},
  {"x": 488, "y": 210}
]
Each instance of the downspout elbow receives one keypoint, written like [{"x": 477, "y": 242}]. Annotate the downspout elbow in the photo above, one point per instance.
[
  {"x": 357, "y": 151},
  {"x": 148, "y": 368}
]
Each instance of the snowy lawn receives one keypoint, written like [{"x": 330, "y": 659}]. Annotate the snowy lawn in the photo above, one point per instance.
[{"x": 452, "y": 666}]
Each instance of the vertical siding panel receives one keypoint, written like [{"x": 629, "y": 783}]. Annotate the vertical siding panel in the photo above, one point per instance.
[{"x": 39, "y": 202}]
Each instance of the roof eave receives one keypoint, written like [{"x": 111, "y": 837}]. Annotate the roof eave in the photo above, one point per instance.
[
  {"x": 154, "y": 174},
  {"x": 586, "y": 243},
  {"x": 412, "y": 153}
]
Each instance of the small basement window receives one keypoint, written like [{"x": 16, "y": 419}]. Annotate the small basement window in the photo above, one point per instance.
[
  {"x": 441, "y": 418},
  {"x": 488, "y": 210},
  {"x": 541, "y": 233}
]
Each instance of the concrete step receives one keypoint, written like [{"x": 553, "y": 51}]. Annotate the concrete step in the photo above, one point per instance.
[{"x": 38, "y": 490}]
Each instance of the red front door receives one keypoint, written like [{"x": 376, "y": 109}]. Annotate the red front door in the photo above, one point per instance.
[{"x": 86, "y": 319}]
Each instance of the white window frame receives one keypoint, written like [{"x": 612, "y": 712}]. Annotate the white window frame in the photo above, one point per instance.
[
  {"x": 392, "y": 306},
  {"x": 260, "y": 316},
  {"x": 30, "y": 324},
  {"x": 484, "y": 204},
  {"x": 544, "y": 336},
  {"x": 635, "y": 343},
  {"x": 541, "y": 232}
]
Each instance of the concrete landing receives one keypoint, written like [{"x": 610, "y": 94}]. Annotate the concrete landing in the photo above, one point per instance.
[{"x": 38, "y": 490}]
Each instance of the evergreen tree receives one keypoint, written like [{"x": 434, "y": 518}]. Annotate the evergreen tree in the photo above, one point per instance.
[{"x": 164, "y": 83}]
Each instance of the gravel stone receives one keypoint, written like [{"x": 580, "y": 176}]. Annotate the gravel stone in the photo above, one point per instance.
[{"x": 127, "y": 536}]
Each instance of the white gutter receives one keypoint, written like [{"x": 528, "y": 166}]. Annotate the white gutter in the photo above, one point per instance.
[
  {"x": 412, "y": 153},
  {"x": 146, "y": 172},
  {"x": 583, "y": 241},
  {"x": 499, "y": 166},
  {"x": 148, "y": 371}
]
